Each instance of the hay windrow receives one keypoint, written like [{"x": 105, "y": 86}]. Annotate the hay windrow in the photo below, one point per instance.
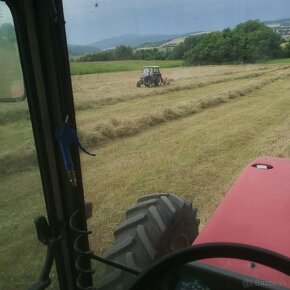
[
  {"x": 119, "y": 128},
  {"x": 116, "y": 128},
  {"x": 107, "y": 101}
]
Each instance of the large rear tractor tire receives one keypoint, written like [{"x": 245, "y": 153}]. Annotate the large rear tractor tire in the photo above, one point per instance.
[{"x": 156, "y": 225}]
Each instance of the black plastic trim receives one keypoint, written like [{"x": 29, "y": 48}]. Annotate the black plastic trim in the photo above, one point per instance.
[{"x": 213, "y": 250}]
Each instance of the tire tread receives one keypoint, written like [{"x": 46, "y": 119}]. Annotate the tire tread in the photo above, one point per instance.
[{"x": 146, "y": 233}]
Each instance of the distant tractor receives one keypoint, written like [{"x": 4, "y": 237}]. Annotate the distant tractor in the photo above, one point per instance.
[{"x": 150, "y": 77}]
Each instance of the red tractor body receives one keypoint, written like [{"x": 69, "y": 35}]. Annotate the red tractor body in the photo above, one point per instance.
[{"x": 256, "y": 211}]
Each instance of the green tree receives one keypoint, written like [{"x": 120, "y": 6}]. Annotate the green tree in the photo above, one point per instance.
[
  {"x": 215, "y": 48},
  {"x": 257, "y": 41},
  {"x": 107, "y": 55},
  {"x": 247, "y": 43},
  {"x": 286, "y": 49},
  {"x": 123, "y": 52},
  {"x": 177, "y": 52}
]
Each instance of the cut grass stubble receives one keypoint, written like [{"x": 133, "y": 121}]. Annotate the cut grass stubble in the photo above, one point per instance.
[
  {"x": 197, "y": 157},
  {"x": 104, "y": 101},
  {"x": 115, "y": 128}
]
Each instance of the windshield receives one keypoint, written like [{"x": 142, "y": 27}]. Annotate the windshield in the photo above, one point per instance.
[{"x": 221, "y": 101}]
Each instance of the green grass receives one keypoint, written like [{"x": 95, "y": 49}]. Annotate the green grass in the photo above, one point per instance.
[
  {"x": 80, "y": 68},
  {"x": 21, "y": 197},
  {"x": 11, "y": 84},
  {"x": 21, "y": 200},
  {"x": 22, "y": 255},
  {"x": 277, "y": 61},
  {"x": 17, "y": 151}
]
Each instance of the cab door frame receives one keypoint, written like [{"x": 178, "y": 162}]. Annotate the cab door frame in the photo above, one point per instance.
[{"x": 41, "y": 37}]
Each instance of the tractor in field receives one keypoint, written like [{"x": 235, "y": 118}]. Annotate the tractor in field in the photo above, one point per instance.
[
  {"x": 245, "y": 244},
  {"x": 150, "y": 77}
]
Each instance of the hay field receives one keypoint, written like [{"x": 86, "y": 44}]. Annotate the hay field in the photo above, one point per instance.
[{"x": 192, "y": 138}]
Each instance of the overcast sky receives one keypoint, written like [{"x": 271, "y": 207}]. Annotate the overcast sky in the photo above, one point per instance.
[
  {"x": 88, "y": 21},
  {"x": 5, "y": 14}
]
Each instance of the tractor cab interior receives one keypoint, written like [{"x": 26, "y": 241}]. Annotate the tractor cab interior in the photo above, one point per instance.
[{"x": 101, "y": 182}]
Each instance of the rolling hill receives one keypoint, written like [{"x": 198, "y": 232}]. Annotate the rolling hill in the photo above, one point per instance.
[
  {"x": 133, "y": 40},
  {"x": 81, "y": 49}
]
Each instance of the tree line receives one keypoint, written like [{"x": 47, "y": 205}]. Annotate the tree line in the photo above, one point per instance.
[
  {"x": 248, "y": 42},
  {"x": 124, "y": 52}
]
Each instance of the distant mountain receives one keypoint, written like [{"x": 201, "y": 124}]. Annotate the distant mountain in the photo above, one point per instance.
[
  {"x": 153, "y": 44},
  {"x": 285, "y": 21},
  {"x": 176, "y": 41},
  {"x": 81, "y": 49},
  {"x": 133, "y": 40}
]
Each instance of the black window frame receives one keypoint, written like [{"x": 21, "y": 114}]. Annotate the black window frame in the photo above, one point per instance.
[{"x": 41, "y": 38}]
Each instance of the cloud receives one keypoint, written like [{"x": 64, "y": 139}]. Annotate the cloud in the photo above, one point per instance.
[
  {"x": 5, "y": 14},
  {"x": 87, "y": 23}
]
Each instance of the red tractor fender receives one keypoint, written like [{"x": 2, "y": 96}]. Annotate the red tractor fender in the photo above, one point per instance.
[{"x": 256, "y": 211}]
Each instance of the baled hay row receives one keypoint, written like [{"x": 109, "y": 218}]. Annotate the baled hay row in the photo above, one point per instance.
[
  {"x": 128, "y": 127},
  {"x": 115, "y": 100}
]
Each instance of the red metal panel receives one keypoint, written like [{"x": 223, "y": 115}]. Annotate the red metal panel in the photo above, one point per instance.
[{"x": 256, "y": 211}]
